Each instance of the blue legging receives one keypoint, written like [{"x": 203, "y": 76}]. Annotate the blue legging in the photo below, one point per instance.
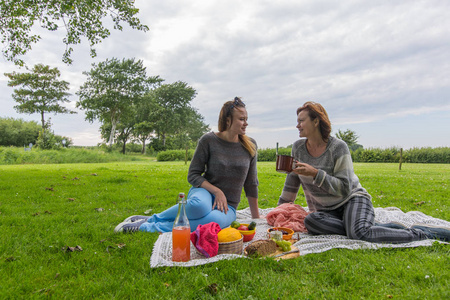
[{"x": 198, "y": 209}]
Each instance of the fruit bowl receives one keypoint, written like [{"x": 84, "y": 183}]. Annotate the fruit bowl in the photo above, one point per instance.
[
  {"x": 248, "y": 234},
  {"x": 286, "y": 236}
]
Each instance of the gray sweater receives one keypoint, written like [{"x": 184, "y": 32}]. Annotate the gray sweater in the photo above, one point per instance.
[
  {"x": 225, "y": 165},
  {"x": 334, "y": 185}
]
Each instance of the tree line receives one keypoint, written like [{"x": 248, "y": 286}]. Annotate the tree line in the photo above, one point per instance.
[{"x": 130, "y": 105}]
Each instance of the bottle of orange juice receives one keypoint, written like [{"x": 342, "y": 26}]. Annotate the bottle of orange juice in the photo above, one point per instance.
[{"x": 181, "y": 232}]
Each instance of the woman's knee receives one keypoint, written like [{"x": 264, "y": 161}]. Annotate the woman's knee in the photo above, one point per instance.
[
  {"x": 359, "y": 217},
  {"x": 310, "y": 221},
  {"x": 314, "y": 217},
  {"x": 224, "y": 220},
  {"x": 196, "y": 195},
  {"x": 199, "y": 203}
]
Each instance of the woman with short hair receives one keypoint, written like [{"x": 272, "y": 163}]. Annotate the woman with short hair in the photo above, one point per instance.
[{"x": 337, "y": 202}]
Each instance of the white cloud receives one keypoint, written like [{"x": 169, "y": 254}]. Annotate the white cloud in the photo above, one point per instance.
[{"x": 367, "y": 62}]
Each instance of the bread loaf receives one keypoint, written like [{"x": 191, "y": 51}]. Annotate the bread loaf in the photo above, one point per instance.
[{"x": 261, "y": 248}]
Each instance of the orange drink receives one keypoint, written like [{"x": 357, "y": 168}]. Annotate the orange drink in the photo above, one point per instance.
[{"x": 181, "y": 248}]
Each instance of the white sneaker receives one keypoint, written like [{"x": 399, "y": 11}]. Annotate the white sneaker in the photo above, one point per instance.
[
  {"x": 135, "y": 218},
  {"x": 127, "y": 227}
]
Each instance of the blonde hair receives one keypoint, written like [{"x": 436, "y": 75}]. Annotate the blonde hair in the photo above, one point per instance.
[{"x": 227, "y": 112}]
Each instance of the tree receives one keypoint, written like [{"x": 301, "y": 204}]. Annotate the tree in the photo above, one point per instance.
[
  {"x": 124, "y": 128},
  {"x": 112, "y": 89},
  {"x": 41, "y": 92},
  {"x": 173, "y": 103},
  {"x": 79, "y": 19},
  {"x": 145, "y": 120},
  {"x": 142, "y": 132},
  {"x": 125, "y": 131},
  {"x": 193, "y": 128},
  {"x": 349, "y": 137}
]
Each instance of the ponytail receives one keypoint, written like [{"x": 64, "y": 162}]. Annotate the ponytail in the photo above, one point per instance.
[{"x": 248, "y": 144}]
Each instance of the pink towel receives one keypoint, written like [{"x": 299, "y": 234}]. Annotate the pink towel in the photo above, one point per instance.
[
  {"x": 288, "y": 215},
  {"x": 205, "y": 240}
]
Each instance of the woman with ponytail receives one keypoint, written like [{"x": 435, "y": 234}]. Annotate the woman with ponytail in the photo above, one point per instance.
[{"x": 223, "y": 164}]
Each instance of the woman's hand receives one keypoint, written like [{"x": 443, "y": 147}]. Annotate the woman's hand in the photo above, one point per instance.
[
  {"x": 220, "y": 201},
  {"x": 305, "y": 169}
]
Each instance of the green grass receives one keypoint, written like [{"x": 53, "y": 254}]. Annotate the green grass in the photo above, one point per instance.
[
  {"x": 45, "y": 208},
  {"x": 17, "y": 155}
]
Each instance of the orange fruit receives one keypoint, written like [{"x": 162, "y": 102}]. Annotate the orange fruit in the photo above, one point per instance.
[{"x": 228, "y": 235}]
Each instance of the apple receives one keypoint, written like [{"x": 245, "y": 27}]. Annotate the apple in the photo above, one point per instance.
[{"x": 243, "y": 227}]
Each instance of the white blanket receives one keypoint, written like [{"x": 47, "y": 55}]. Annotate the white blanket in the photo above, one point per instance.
[{"x": 162, "y": 249}]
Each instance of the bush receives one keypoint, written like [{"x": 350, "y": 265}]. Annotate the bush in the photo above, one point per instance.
[
  {"x": 271, "y": 154},
  {"x": 17, "y": 132},
  {"x": 377, "y": 155},
  {"x": 414, "y": 155},
  {"x": 8, "y": 156},
  {"x": 133, "y": 148},
  {"x": 429, "y": 155},
  {"x": 15, "y": 155},
  {"x": 174, "y": 155}
]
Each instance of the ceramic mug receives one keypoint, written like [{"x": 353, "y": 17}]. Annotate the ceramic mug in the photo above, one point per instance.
[{"x": 285, "y": 163}]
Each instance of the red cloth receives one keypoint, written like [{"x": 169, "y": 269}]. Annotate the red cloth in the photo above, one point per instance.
[
  {"x": 205, "y": 240},
  {"x": 288, "y": 215}
]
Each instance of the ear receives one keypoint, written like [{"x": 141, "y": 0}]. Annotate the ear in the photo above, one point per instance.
[{"x": 228, "y": 122}]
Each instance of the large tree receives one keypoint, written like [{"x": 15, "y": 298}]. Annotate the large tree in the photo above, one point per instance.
[
  {"x": 112, "y": 90},
  {"x": 79, "y": 18},
  {"x": 172, "y": 108},
  {"x": 41, "y": 91}
]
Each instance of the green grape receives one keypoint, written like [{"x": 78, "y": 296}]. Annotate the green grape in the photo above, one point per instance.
[{"x": 285, "y": 245}]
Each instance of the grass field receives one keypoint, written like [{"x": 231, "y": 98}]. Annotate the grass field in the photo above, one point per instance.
[{"x": 46, "y": 208}]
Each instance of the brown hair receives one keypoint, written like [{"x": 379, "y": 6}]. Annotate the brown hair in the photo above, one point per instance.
[
  {"x": 315, "y": 110},
  {"x": 227, "y": 112}
]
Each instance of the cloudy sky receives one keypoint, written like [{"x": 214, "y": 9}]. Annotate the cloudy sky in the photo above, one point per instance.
[{"x": 380, "y": 68}]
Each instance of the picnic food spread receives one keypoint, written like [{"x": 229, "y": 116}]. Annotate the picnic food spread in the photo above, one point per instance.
[{"x": 230, "y": 241}]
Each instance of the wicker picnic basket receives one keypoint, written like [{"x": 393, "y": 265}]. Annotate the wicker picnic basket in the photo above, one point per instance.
[{"x": 234, "y": 247}]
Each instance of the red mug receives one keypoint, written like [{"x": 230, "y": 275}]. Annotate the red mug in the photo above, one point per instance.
[{"x": 285, "y": 163}]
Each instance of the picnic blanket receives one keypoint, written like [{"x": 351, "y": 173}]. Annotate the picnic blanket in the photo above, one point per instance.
[{"x": 307, "y": 244}]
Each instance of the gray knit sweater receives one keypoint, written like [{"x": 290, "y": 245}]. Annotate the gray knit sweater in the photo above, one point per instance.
[
  {"x": 334, "y": 185},
  {"x": 225, "y": 165}
]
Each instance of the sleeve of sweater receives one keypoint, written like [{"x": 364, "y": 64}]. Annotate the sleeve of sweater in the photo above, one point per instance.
[
  {"x": 340, "y": 183},
  {"x": 198, "y": 164}
]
